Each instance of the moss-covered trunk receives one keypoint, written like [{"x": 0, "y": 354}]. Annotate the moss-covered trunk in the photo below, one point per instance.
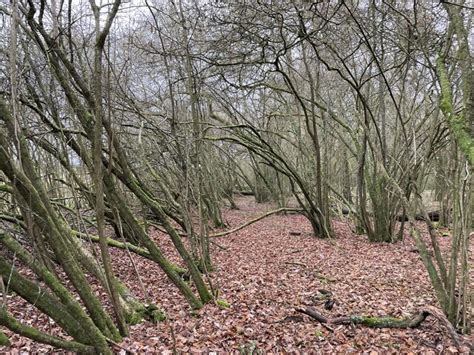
[{"x": 9, "y": 322}]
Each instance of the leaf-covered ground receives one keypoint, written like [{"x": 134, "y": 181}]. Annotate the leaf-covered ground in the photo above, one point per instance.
[{"x": 263, "y": 272}]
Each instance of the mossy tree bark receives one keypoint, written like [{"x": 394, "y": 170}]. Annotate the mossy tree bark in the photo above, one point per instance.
[
  {"x": 462, "y": 125},
  {"x": 29, "y": 187},
  {"x": 12, "y": 324},
  {"x": 100, "y": 38},
  {"x": 4, "y": 340},
  {"x": 58, "y": 59}
]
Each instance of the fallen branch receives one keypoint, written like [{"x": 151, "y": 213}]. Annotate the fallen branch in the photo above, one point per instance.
[
  {"x": 313, "y": 313},
  {"x": 295, "y": 263},
  {"x": 372, "y": 322},
  {"x": 283, "y": 209},
  {"x": 388, "y": 322},
  {"x": 246, "y": 224},
  {"x": 114, "y": 243}
]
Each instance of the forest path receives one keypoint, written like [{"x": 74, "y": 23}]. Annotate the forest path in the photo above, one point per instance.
[{"x": 264, "y": 273}]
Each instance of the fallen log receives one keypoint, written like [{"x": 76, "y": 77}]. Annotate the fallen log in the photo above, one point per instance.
[
  {"x": 433, "y": 216},
  {"x": 313, "y": 313},
  {"x": 389, "y": 322}
]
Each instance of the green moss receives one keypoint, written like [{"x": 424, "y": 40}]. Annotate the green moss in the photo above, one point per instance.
[
  {"x": 179, "y": 270},
  {"x": 37, "y": 335},
  {"x": 458, "y": 123},
  {"x": 134, "y": 317},
  {"x": 149, "y": 312},
  {"x": 318, "y": 333},
  {"x": 223, "y": 303},
  {"x": 4, "y": 341},
  {"x": 154, "y": 314}
]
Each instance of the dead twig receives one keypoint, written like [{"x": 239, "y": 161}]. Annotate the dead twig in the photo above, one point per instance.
[{"x": 295, "y": 263}]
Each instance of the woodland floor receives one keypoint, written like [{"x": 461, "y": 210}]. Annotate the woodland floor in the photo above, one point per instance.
[{"x": 263, "y": 272}]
